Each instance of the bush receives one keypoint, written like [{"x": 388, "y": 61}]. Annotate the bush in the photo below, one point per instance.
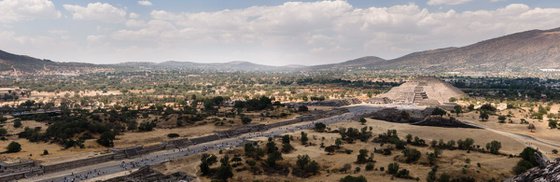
[
  {"x": 3, "y": 131},
  {"x": 527, "y": 162},
  {"x": 522, "y": 166},
  {"x": 393, "y": 168},
  {"x": 438, "y": 112},
  {"x": 411, "y": 155},
  {"x": 494, "y": 147},
  {"x": 370, "y": 166},
  {"x": 17, "y": 123},
  {"x": 320, "y": 127},
  {"x": 552, "y": 123},
  {"x": 403, "y": 173},
  {"x": 353, "y": 179},
  {"x": 303, "y": 108},
  {"x": 502, "y": 119},
  {"x": 13, "y": 147},
  {"x": 246, "y": 120},
  {"x": 147, "y": 126},
  {"x": 106, "y": 139}
]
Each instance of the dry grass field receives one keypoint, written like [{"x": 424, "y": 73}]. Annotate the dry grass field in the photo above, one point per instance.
[{"x": 452, "y": 161}]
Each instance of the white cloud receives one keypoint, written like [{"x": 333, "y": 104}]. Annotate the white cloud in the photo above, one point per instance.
[
  {"x": 447, "y": 2},
  {"x": 326, "y": 30},
  {"x": 18, "y": 10},
  {"x": 103, "y": 12},
  {"x": 145, "y": 3},
  {"x": 290, "y": 33},
  {"x": 133, "y": 15}
]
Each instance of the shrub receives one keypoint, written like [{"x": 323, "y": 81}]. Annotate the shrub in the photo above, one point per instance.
[
  {"x": 411, "y": 155},
  {"x": 13, "y": 147},
  {"x": 494, "y": 147},
  {"x": 393, "y": 168},
  {"x": 17, "y": 123},
  {"x": 353, "y": 179}
]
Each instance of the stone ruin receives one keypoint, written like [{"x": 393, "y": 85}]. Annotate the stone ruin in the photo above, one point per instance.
[{"x": 424, "y": 91}]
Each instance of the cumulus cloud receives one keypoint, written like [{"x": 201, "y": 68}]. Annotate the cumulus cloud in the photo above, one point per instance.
[
  {"x": 103, "y": 12},
  {"x": 145, "y": 3},
  {"x": 328, "y": 30},
  {"x": 289, "y": 33},
  {"x": 18, "y": 10},
  {"x": 448, "y": 2}
]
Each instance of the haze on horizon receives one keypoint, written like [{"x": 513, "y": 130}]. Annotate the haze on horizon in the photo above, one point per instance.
[{"x": 265, "y": 32}]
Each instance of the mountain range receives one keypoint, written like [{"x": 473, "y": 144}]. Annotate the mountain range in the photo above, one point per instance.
[{"x": 527, "y": 51}]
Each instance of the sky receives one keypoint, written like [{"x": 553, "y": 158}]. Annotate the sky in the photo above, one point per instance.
[{"x": 271, "y": 32}]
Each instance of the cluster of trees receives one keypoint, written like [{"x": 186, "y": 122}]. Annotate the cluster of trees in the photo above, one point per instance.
[
  {"x": 351, "y": 134},
  {"x": 509, "y": 88},
  {"x": 222, "y": 173},
  {"x": 305, "y": 167},
  {"x": 255, "y": 104},
  {"x": 363, "y": 157},
  {"x": 391, "y": 137},
  {"x": 416, "y": 141},
  {"x": 395, "y": 170},
  {"x": 444, "y": 177},
  {"x": 485, "y": 111}
]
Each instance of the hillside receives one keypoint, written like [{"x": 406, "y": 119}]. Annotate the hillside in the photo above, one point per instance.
[
  {"x": 525, "y": 51},
  {"x": 9, "y": 61},
  {"x": 364, "y": 62}
]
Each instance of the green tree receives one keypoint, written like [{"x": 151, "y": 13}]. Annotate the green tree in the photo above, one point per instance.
[
  {"x": 494, "y": 147},
  {"x": 353, "y": 179},
  {"x": 304, "y": 138},
  {"x": 13, "y": 147},
  {"x": 552, "y": 123},
  {"x": 206, "y": 161},
  {"x": 411, "y": 155},
  {"x": 320, "y": 127},
  {"x": 272, "y": 158},
  {"x": 362, "y": 156},
  {"x": 147, "y": 126},
  {"x": 363, "y": 121},
  {"x": 225, "y": 171},
  {"x": 438, "y": 112},
  {"x": 106, "y": 139},
  {"x": 338, "y": 142},
  {"x": 483, "y": 115},
  {"x": 502, "y": 119},
  {"x": 393, "y": 168},
  {"x": 17, "y": 123},
  {"x": 286, "y": 146},
  {"x": 458, "y": 109},
  {"x": 246, "y": 120},
  {"x": 305, "y": 165}
]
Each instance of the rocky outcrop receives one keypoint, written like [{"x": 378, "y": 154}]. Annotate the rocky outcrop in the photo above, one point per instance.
[{"x": 550, "y": 171}]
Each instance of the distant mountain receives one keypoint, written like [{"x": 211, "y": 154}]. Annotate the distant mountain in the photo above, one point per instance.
[
  {"x": 525, "y": 51},
  {"x": 364, "y": 62},
  {"x": 227, "y": 66},
  {"x": 27, "y": 64},
  {"x": 9, "y": 61}
]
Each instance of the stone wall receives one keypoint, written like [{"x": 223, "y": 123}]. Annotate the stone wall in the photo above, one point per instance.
[{"x": 77, "y": 163}]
